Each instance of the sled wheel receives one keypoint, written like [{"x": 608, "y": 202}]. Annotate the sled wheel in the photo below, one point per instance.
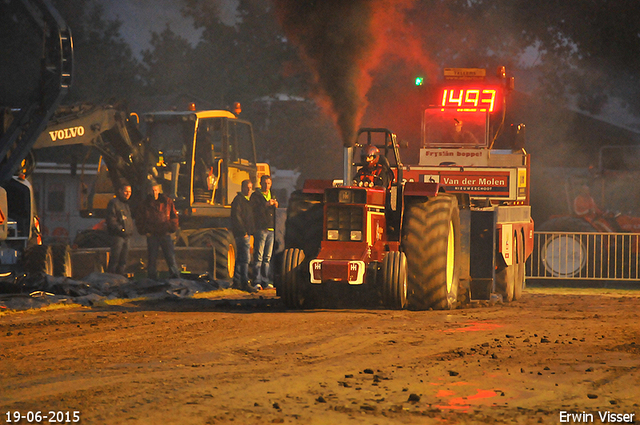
[
  {"x": 505, "y": 284},
  {"x": 519, "y": 271},
  {"x": 506, "y": 275}
]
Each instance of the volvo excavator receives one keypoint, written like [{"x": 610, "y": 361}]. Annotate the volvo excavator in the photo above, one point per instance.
[{"x": 199, "y": 157}]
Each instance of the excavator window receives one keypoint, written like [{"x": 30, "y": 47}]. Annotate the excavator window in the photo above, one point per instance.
[
  {"x": 170, "y": 137},
  {"x": 240, "y": 138},
  {"x": 208, "y": 149},
  {"x": 210, "y": 134}
]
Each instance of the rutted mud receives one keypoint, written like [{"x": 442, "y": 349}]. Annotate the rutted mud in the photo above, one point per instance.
[{"x": 245, "y": 360}]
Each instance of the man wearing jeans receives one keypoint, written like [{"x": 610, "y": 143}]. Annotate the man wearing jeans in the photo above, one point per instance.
[
  {"x": 157, "y": 218},
  {"x": 120, "y": 227},
  {"x": 242, "y": 226},
  {"x": 264, "y": 210}
]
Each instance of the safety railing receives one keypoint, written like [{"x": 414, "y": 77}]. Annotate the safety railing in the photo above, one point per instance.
[{"x": 590, "y": 256}]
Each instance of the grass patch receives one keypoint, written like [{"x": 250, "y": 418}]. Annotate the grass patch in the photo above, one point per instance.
[
  {"x": 219, "y": 293},
  {"x": 48, "y": 307}
]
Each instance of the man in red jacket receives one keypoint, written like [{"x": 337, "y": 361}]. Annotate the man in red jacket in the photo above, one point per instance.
[{"x": 157, "y": 218}]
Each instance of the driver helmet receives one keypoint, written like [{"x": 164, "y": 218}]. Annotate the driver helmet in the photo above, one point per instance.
[{"x": 370, "y": 155}]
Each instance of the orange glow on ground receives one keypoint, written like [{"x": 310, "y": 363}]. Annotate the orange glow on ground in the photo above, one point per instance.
[
  {"x": 476, "y": 327},
  {"x": 463, "y": 403}
]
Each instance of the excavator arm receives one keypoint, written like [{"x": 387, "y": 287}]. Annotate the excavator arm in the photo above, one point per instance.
[
  {"x": 108, "y": 129},
  {"x": 55, "y": 82}
]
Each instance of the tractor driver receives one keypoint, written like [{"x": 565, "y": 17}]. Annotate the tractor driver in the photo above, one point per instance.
[
  {"x": 584, "y": 205},
  {"x": 374, "y": 172}
]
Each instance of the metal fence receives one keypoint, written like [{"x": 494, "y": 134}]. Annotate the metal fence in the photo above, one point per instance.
[{"x": 577, "y": 255}]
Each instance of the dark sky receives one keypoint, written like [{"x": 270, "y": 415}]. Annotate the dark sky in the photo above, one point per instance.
[{"x": 141, "y": 17}]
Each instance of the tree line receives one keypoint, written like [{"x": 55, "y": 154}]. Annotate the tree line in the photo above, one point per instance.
[{"x": 587, "y": 53}]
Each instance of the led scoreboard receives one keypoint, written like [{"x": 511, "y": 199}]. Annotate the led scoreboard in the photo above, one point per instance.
[{"x": 470, "y": 99}]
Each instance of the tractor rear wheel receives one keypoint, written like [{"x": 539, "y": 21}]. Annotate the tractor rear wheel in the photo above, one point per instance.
[
  {"x": 293, "y": 293},
  {"x": 61, "y": 260},
  {"x": 38, "y": 259},
  {"x": 394, "y": 280},
  {"x": 431, "y": 242}
]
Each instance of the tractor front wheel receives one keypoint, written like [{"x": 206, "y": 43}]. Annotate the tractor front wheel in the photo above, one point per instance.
[
  {"x": 293, "y": 293},
  {"x": 394, "y": 280}
]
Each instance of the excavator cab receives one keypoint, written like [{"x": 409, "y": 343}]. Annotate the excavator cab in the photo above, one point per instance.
[
  {"x": 204, "y": 157},
  {"x": 199, "y": 157}
]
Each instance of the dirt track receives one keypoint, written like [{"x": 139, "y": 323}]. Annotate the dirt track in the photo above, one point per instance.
[{"x": 208, "y": 362}]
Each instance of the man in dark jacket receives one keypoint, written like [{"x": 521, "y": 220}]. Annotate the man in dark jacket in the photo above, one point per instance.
[
  {"x": 243, "y": 226},
  {"x": 264, "y": 210},
  {"x": 157, "y": 218},
  {"x": 120, "y": 228}
]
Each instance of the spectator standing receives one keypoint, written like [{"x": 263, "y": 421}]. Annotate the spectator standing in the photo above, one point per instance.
[
  {"x": 264, "y": 210},
  {"x": 157, "y": 219},
  {"x": 120, "y": 228},
  {"x": 243, "y": 226}
]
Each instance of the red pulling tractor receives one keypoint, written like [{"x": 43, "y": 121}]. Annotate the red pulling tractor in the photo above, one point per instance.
[{"x": 454, "y": 228}]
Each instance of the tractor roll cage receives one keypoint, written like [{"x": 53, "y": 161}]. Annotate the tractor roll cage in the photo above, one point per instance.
[{"x": 390, "y": 144}]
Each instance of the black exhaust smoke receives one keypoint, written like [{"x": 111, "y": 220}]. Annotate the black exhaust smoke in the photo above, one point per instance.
[{"x": 338, "y": 42}]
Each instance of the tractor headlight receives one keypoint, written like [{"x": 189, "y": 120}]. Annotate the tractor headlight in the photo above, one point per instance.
[
  {"x": 332, "y": 235},
  {"x": 356, "y": 235}
]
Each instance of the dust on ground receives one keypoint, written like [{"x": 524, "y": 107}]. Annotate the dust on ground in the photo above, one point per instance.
[{"x": 231, "y": 357}]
